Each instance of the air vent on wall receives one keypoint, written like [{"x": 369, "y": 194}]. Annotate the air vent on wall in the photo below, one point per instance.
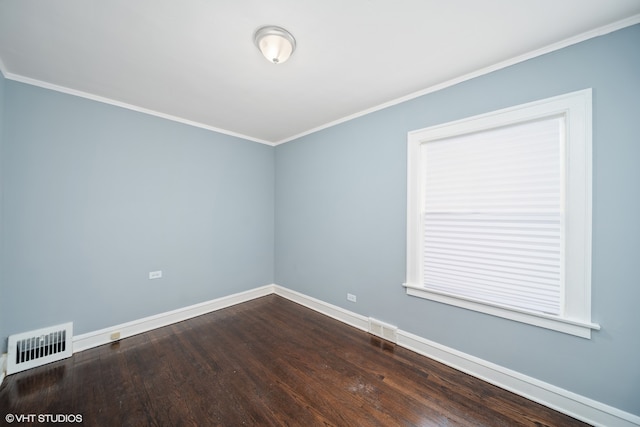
[
  {"x": 383, "y": 330},
  {"x": 35, "y": 348}
]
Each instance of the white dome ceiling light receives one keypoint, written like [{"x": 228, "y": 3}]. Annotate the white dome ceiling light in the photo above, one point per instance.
[{"x": 275, "y": 43}]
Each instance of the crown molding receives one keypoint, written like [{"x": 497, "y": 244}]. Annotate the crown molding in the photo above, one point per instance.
[
  {"x": 600, "y": 31},
  {"x": 615, "y": 26},
  {"x": 104, "y": 100}
]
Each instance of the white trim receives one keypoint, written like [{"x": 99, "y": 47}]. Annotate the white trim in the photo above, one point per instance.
[
  {"x": 97, "y": 338},
  {"x": 618, "y": 25},
  {"x": 568, "y": 326},
  {"x": 561, "y": 400},
  {"x": 3, "y": 367},
  {"x": 567, "y": 402},
  {"x": 93, "y": 339},
  {"x": 3, "y": 69},
  {"x": 606, "y": 29},
  {"x": 345, "y": 316},
  {"x": 572, "y": 404},
  {"x": 104, "y": 100},
  {"x": 575, "y": 317}
]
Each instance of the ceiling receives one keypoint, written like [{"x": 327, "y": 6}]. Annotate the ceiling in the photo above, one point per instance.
[{"x": 195, "y": 61}]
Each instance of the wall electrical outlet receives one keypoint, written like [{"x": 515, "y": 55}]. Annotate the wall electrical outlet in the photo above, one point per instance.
[
  {"x": 351, "y": 297},
  {"x": 155, "y": 274}
]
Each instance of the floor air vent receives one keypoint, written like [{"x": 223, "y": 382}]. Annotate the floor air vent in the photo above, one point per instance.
[
  {"x": 383, "y": 330},
  {"x": 36, "y": 348}
]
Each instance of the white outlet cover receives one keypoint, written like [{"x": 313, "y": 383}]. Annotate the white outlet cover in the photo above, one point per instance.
[{"x": 155, "y": 274}]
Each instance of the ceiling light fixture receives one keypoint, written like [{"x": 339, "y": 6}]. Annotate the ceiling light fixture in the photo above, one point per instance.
[{"x": 275, "y": 43}]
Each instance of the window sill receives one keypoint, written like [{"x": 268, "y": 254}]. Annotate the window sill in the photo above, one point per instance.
[{"x": 567, "y": 326}]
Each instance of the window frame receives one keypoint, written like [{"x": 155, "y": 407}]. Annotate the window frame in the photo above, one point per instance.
[{"x": 575, "y": 316}]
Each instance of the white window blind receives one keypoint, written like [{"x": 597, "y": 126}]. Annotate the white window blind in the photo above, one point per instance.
[
  {"x": 499, "y": 213},
  {"x": 492, "y": 218}
]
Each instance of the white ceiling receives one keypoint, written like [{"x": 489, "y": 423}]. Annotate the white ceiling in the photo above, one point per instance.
[{"x": 195, "y": 61}]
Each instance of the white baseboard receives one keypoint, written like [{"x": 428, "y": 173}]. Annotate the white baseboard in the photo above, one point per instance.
[
  {"x": 103, "y": 336},
  {"x": 569, "y": 403},
  {"x": 338, "y": 313},
  {"x": 572, "y": 404}
]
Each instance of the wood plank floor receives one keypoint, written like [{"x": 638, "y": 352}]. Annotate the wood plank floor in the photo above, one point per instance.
[{"x": 267, "y": 362}]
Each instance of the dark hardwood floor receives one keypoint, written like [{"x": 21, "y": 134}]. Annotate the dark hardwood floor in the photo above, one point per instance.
[{"x": 267, "y": 362}]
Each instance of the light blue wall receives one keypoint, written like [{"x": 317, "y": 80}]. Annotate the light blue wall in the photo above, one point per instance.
[
  {"x": 96, "y": 197},
  {"x": 3, "y": 298},
  {"x": 341, "y": 218}
]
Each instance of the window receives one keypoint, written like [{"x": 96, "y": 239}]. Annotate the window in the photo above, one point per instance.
[{"x": 499, "y": 213}]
